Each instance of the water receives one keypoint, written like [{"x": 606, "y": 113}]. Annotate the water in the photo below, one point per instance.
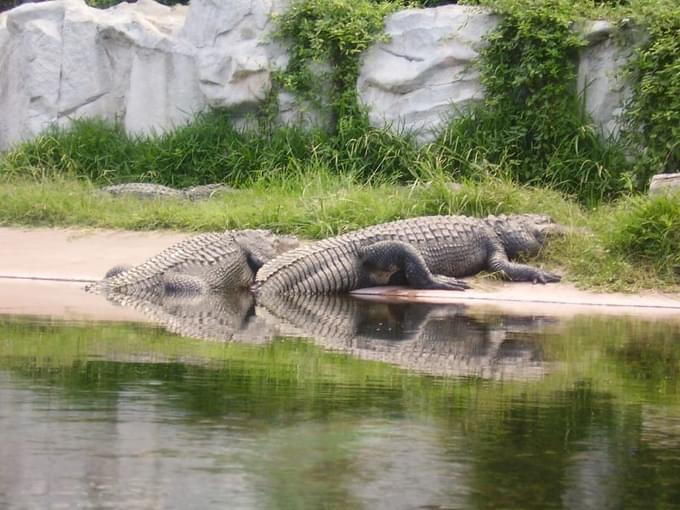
[{"x": 382, "y": 406}]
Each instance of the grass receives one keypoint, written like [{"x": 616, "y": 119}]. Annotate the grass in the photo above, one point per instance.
[
  {"x": 316, "y": 184},
  {"x": 605, "y": 353},
  {"x": 627, "y": 245}
]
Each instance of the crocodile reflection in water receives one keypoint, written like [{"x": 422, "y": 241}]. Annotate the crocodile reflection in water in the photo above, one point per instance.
[
  {"x": 208, "y": 316},
  {"x": 433, "y": 338}
]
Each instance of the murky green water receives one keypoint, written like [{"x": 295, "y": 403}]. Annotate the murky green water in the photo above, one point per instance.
[{"x": 390, "y": 406}]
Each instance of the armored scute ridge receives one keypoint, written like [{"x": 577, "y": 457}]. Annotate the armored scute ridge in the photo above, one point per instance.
[
  {"x": 202, "y": 263},
  {"x": 425, "y": 253}
]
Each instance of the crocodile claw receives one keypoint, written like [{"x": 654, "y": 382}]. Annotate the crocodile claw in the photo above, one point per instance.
[
  {"x": 544, "y": 277},
  {"x": 440, "y": 282}
]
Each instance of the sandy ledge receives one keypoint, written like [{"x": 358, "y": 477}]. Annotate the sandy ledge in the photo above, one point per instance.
[{"x": 43, "y": 272}]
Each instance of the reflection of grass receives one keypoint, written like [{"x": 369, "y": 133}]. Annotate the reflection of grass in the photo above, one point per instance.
[{"x": 631, "y": 360}]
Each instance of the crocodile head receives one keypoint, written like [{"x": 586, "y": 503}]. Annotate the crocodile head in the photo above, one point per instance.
[
  {"x": 284, "y": 243},
  {"x": 264, "y": 245},
  {"x": 523, "y": 233}
]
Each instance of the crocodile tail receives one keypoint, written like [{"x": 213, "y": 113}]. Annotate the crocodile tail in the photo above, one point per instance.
[{"x": 100, "y": 287}]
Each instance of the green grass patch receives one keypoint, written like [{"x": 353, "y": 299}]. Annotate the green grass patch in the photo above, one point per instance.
[{"x": 631, "y": 244}]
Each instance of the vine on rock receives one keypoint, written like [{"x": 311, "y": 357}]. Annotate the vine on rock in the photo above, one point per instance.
[
  {"x": 327, "y": 38},
  {"x": 654, "y": 111},
  {"x": 532, "y": 121}
]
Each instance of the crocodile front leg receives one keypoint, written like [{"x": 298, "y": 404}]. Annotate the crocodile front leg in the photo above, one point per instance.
[
  {"x": 383, "y": 260},
  {"x": 499, "y": 262}
]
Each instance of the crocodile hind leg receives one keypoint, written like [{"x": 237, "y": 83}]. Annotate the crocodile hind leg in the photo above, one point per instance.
[{"x": 384, "y": 262}]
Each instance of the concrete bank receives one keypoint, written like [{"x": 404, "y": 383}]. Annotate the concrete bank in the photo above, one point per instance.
[{"x": 43, "y": 272}]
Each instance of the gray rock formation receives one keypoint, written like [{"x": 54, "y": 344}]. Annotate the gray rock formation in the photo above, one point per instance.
[
  {"x": 664, "y": 183},
  {"x": 600, "y": 80},
  {"x": 235, "y": 53},
  {"x": 62, "y": 60},
  {"x": 153, "y": 67},
  {"x": 425, "y": 72}
]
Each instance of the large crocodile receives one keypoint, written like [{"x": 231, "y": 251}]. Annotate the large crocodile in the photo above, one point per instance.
[
  {"x": 201, "y": 263},
  {"x": 424, "y": 252},
  {"x": 151, "y": 190}
]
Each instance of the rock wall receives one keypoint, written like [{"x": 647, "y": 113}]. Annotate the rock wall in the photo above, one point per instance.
[{"x": 153, "y": 67}]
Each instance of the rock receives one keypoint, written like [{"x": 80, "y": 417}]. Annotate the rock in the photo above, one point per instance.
[
  {"x": 599, "y": 75},
  {"x": 664, "y": 183},
  {"x": 235, "y": 51},
  {"x": 63, "y": 60},
  {"x": 425, "y": 73},
  {"x": 153, "y": 67}
]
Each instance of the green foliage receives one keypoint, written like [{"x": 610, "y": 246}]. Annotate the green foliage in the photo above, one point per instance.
[
  {"x": 647, "y": 230},
  {"x": 654, "y": 112},
  {"x": 330, "y": 33},
  {"x": 210, "y": 149},
  {"x": 532, "y": 121}
]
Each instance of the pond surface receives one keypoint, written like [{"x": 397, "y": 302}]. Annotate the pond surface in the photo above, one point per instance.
[{"x": 344, "y": 404}]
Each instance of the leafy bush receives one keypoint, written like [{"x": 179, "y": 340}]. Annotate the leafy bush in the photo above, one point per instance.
[
  {"x": 532, "y": 121},
  {"x": 647, "y": 230},
  {"x": 654, "y": 112}
]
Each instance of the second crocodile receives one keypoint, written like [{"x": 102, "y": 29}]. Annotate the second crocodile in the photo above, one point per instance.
[
  {"x": 214, "y": 261},
  {"x": 150, "y": 190}
]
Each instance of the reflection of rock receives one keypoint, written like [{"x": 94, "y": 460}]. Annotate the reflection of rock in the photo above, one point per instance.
[
  {"x": 592, "y": 476},
  {"x": 398, "y": 467},
  {"x": 436, "y": 339},
  {"x": 661, "y": 427}
]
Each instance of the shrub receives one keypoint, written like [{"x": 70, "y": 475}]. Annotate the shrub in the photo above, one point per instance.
[
  {"x": 654, "y": 111},
  {"x": 647, "y": 230}
]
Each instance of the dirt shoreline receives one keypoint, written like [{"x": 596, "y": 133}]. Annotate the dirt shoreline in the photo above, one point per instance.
[{"x": 43, "y": 270}]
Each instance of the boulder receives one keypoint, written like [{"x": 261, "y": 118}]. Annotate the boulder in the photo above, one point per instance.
[
  {"x": 63, "y": 60},
  {"x": 664, "y": 183},
  {"x": 234, "y": 50},
  {"x": 153, "y": 67},
  {"x": 600, "y": 79},
  {"x": 424, "y": 73}
]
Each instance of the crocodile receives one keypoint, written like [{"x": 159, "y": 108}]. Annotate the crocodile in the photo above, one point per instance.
[
  {"x": 429, "y": 252},
  {"x": 202, "y": 263},
  {"x": 151, "y": 190}
]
